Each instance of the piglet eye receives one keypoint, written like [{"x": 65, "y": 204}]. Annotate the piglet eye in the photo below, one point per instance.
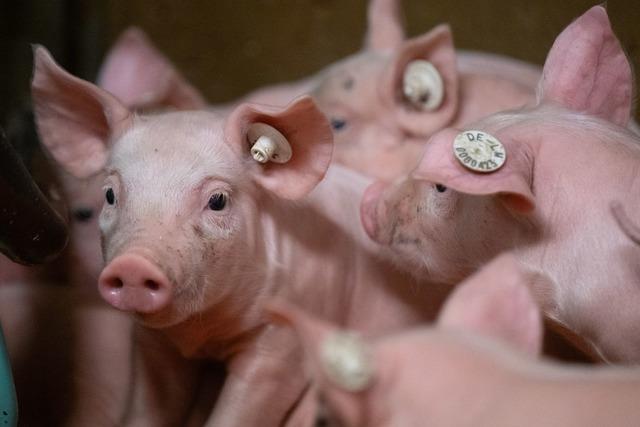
[
  {"x": 338, "y": 124},
  {"x": 82, "y": 214},
  {"x": 110, "y": 196},
  {"x": 217, "y": 202},
  {"x": 441, "y": 188}
]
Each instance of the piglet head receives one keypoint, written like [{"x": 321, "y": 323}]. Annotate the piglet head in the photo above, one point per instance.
[
  {"x": 182, "y": 195},
  {"x": 392, "y": 90},
  {"x": 141, "y": 77},
  {"x": 490, "y": 316},
  {"x": 182, "y": 224},
  {"x": 446, "y": 219}
]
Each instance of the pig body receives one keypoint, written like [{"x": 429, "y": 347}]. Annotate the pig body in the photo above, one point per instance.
[
  {"x": 197, "y": 238},
  {"x": 474, "y": 368},
  {"x": 568, "y": 157}
]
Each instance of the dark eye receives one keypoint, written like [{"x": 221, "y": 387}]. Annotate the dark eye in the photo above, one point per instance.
[
  {"x": 338, "y": 124},
  {"x": 82, "y": 214},
  {"x": 441, "y": 188},
  {"x": 217, "y": 202},
  {"x": 110, "y": 196}
]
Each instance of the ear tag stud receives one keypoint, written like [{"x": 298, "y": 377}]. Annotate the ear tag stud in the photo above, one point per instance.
[
  {"x": 268, "y": 144},
  {"x": 346, "y": 361},
  {"x": 422, "y": 85},
  {"x": 479, "y": 151}
]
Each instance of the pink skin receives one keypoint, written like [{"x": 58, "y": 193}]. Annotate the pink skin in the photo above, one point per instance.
[
  {"x": 571, "y": 146},
  {"x": 475, "y": 367},
  {"x": 177, "y": 263},
  {"x": 382, "y": 134},
  {"x": 99, "y": 396}
]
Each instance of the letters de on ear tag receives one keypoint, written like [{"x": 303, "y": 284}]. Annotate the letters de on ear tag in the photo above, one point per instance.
[{"x": 479, "y": 151}]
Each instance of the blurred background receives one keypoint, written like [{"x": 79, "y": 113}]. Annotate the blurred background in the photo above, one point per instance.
[{"x": 228, "y": 47}]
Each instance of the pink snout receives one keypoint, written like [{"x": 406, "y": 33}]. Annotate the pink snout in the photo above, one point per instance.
[
  {"x": 132, "y": 283},
  {"x": 369, "y": 208}
]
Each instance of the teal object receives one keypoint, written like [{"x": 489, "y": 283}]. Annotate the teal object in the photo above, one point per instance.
[{"x": 8, "y": 402}]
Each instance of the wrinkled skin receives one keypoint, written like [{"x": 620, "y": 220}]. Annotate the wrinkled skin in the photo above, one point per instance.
[
  {"x": 568, "y": 157},
  {"x": 475, "y": 367},
  {"x": 180, "y": 259}
]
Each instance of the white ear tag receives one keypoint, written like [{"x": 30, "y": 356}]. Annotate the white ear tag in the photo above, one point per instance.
[
  {"x": 422, "y": 85},
  {"x": 479, "y": 151},
  {"x": 268, "y": 144},
  {"x": 346, "y": 360}
]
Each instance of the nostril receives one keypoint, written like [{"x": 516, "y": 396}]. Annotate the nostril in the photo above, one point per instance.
[
  {"x": 151, "y": 285},
  {"x": 114, "y": 283}
]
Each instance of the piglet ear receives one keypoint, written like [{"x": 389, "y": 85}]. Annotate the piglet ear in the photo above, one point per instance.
[
  {"x": 141, "y": 76},
  {"x": 587, "y": 70},
  {"x": 386, "y": 29},
  {"x": 511, "y": 183},
  {"x": 307, "y": 134},
  {"x": 420, "y": 85},
  {"x": 75, "y": 119},
  {"x": 496, "y": 302}
]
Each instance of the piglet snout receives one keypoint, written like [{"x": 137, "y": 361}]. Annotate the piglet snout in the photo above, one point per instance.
[{"x": 132, "y": 283}]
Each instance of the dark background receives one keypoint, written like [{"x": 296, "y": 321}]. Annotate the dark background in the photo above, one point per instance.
[{"x": 228, "y": 47}]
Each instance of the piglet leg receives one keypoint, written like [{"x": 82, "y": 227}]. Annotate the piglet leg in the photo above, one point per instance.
[{"x": 264, "y": 383}]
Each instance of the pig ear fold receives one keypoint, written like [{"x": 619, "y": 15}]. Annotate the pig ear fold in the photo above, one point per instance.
[
  {"x": 386, "y": 29},
  {"x": 75, "y": 119},
  {"x": 301, "y": 131},
  {"x": 141, "y": 76},
  {"x": 511, "y": 183},
  {"x": 496, "y": 302},
  {"x": 420, "y": 85},
  {"x": 587, "y": 70}
]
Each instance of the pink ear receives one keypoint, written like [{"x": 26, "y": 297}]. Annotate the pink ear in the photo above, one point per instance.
[
  {"x": 141, "y": 76},
  {"x": 436, "y": 47},
  {"x": 386, "y": 29},
  {"x": 496, "y": 302},
  {"x": 587, "y": 70},
  {"x": 307, "y": 131},
  {"x": 75, "y": 118},
  {"x": 512, "y": 182}
]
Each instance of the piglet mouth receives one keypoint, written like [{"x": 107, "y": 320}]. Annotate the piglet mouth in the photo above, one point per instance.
[{"x": 370, "y": 214}]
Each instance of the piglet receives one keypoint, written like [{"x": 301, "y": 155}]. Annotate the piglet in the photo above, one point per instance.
[
  {"x": 476, "y": 367},
  {"x": 199, "y": 229},
  {"x": 386, "y": 99},
  {"x": 566, "y": 159}
]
